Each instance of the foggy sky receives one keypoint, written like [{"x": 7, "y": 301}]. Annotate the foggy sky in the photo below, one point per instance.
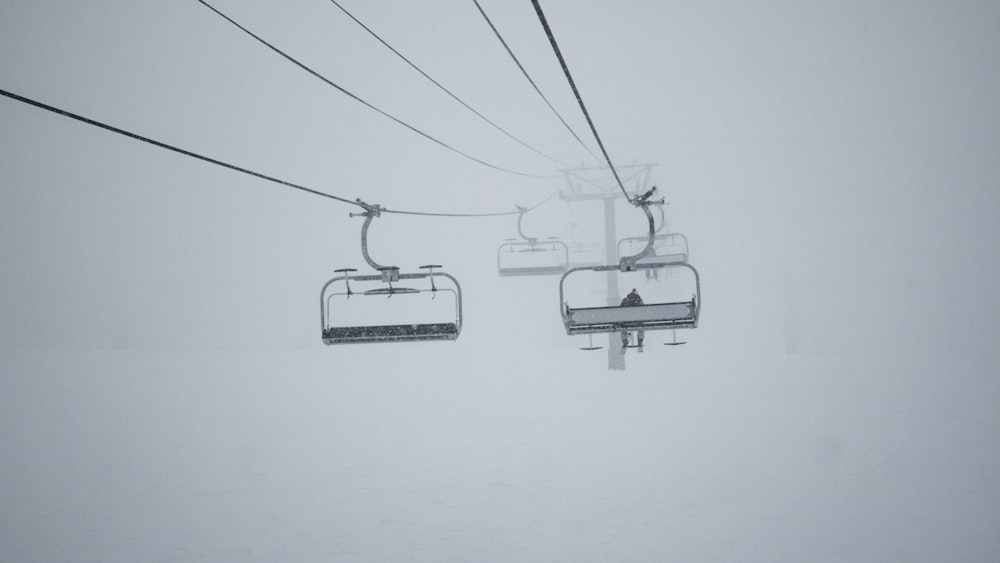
[
  {"x": 834, "y": 166},
  {"x": 820, "y": 158}
]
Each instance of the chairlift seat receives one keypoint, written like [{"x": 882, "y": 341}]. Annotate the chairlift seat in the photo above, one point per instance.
[{"x": 390, "y": 333}]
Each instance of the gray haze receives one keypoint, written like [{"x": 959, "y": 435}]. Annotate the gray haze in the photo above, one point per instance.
[{"x": 166, "y": 396}]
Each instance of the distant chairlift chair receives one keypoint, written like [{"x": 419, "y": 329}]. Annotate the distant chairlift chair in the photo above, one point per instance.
[
  {"x": 671, "y": 247},
  {"x": 667, "y": 247},
  {"x": 529, "y": 257}
]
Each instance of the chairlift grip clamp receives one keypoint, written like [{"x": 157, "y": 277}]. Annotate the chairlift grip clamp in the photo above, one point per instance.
[
  {"x": 389, "y": 274},
  {"x": 644, "y": 201},
  {"x": 370, "y": 210}
]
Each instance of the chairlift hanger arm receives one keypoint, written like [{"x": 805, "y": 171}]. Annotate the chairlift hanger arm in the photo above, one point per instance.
[
  {"x": 389, "y": 273},
  {"x": 520, "y": 230},
  {"x": 628, "y": 263}
]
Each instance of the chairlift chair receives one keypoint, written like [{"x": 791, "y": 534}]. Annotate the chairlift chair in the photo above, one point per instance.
[
  {"x": 659, "y": 315},
  {"x": 531, "y": 257},
  {"x": 666, "y": 247},
  {"x": 670, "y": 247},
  {"x": 334, "y": 331},
  {"x": 649, "y": 316},
  {"x": 338, "y": 329}
]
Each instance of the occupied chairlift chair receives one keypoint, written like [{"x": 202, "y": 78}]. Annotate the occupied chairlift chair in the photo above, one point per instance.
[
  {"x": 335, "y": 333},
  {"x": 649, "y": 316},
  {"x": 529, "y": 257}
]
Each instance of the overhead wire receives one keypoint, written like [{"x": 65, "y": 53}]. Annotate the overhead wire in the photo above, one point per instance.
[
  {"x": 576, "y": 92},
  {"x": 247, "y": 171},
  {"x": 365, "y": 103},
  {"x": 530, "y": 81},
  {"x": 442, "y": 87},
  {"x": 163, "y": 145},
  {"x": 432, "y": 214}
]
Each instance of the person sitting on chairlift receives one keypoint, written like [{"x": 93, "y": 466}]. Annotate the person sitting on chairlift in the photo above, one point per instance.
[{"x": 632, "y": 300}]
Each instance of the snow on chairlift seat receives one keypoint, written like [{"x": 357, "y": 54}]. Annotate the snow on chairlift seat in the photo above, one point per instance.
[{"x": 390, "y": 333}]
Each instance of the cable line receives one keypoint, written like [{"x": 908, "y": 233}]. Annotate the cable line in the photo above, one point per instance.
[
  {"x": 532, "y": 82},
  {"x": 185, "y": 152},
  {"x": 576, "y": 92},
  {"x": 363, "y": 102},
  {"x": 440, "y": 86},
  {"x": 431, "y": 214},
  {"x": 223, "y": 164}
]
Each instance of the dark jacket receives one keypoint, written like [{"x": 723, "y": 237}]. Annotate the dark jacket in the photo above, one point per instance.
[{"x": 632, "y": 300}]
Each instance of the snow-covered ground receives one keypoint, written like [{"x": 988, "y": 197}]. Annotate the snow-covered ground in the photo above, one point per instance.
[{"x": 447, "y": 453}]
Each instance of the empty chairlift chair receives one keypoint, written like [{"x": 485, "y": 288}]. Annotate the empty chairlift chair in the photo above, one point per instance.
[
  {"x": 671, "y": 247},
  {"x": 531, "y": 257},
  {"x": 376, "y": 308},
  {"x": 666, "y": 247},
  {"x": 341, "y": 328}
]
